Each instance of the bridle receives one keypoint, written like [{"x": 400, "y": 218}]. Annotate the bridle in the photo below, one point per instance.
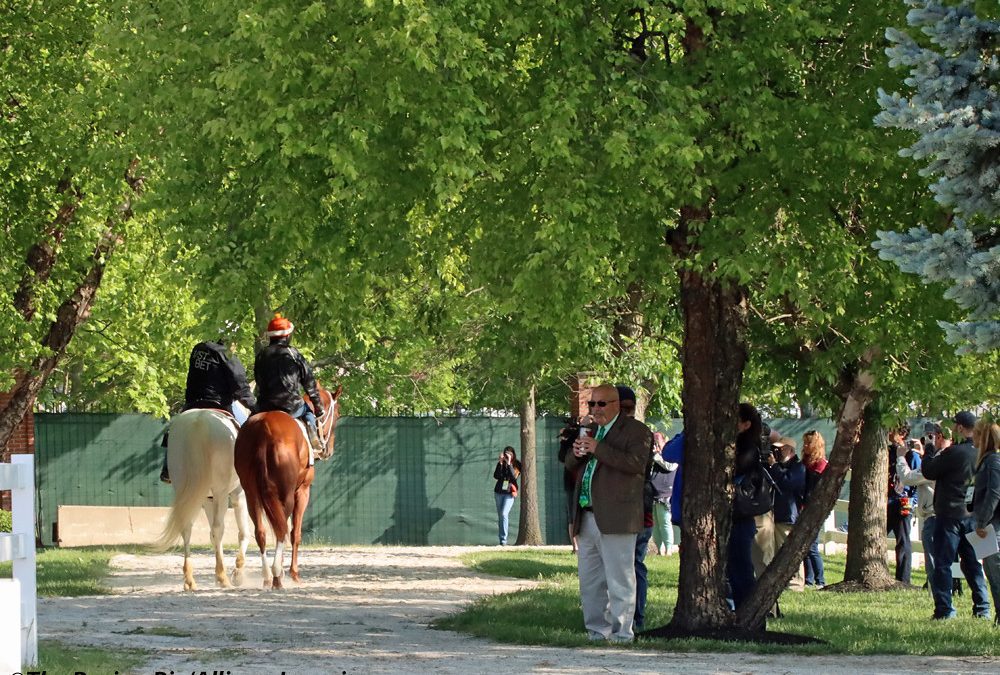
[{"x": 324, "y": 423}]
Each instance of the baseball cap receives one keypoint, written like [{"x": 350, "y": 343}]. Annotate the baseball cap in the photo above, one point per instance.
[
  {"x": 625, "y": 393},
  {"x": 965, "y": 418}
]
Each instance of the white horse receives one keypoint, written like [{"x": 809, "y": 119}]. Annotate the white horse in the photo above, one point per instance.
[{"x": 200, "y": 460}]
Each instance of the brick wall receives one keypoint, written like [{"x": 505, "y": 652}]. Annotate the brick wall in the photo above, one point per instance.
[
  {"x": 22, "y": 442},
  {"x": 581, "y": 387}
]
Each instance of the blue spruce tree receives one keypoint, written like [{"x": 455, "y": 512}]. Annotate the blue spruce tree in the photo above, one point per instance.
[{"x": 954, "y": 108}]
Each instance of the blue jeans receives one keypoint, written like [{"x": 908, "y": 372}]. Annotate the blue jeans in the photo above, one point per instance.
[
  {"x": 740, "y": 560},
  {"x": 306, "y": 415},
  {"x": 899, "y": 526},
  {"x": 949, "y": 539},
  {"x": 504, "y": 502},
  {"x": 814, "y": 566},
  {"x": 663, "y": 529},
  {"x": 927, "y": 539},
  {"x": 641, "y": 577}
]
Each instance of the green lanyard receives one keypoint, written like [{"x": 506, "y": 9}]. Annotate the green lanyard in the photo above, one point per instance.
[{"x": 588, "y": 475}]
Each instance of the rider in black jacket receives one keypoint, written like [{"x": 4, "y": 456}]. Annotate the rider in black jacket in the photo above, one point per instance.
[
  {"x": 282, "y": 374},
  {"x": 215, "y": 379}
]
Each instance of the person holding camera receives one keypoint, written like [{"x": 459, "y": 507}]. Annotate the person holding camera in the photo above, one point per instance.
[
  {"x": 789, "y": 475},
  {"x": 567, "y": 436},
  {"x": 506, "y": 473},
  {"x": 914, "y": 478},
  {"x": 901, "y": 500},
  {"x": 953, "y": 469}
]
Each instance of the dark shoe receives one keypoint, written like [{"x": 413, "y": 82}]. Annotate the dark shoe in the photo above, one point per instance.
[
  {"x": 945, "y": 617},
  {"x": 165, "y": 475}
]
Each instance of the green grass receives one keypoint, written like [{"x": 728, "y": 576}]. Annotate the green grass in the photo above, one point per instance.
[
  {"x": 56, "y": 657},
  {"x": 893, "y": 622},
  {"x": 71, "y": 572}
]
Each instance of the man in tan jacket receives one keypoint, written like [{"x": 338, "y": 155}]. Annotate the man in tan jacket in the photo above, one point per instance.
[{"x": 611, "y": 469}]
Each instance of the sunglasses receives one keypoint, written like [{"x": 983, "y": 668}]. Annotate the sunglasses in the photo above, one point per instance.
[{"x": 600, "y": 404}]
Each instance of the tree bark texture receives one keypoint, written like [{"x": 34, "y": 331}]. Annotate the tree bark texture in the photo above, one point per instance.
[
  {"x": 866, "y": 515},
  {"x": 823, "y": 499},
  {"x": 529, "y": 531},
  {"x": 713, "y": 357},
  {"x": 41, "y": 257}
]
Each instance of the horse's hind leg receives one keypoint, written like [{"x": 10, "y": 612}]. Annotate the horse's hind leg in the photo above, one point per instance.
[
  {"x": 189, "y": 584},
  {"x": 277, "y": 567},
  {"x": 301, "y": 501},
  {"x": 243, "y": 525},
  {"x": 215, "y": 508}
]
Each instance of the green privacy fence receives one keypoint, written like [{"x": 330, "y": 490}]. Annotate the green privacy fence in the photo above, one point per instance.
[{"x": 398, "y": 480}]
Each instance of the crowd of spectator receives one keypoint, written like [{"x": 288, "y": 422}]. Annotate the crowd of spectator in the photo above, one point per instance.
[{"x": 624, "y": 488}]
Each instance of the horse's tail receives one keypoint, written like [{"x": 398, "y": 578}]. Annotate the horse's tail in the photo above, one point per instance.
[
  {"x": 270, "y": 501},
  {"x": 191, "y": 434}
]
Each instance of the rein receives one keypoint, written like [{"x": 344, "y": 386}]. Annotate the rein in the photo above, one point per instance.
[{"x": 325, "y": 430}]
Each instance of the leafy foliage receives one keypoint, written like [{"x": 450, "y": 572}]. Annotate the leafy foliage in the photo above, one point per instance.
[{"x": 952, "y": 111}]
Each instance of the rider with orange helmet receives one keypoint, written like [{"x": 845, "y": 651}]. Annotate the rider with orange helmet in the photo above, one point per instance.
[{"x": 282, "y": 374}]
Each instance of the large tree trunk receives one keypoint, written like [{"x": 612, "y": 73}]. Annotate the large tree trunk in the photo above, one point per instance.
[
  {"x": 850, "y": 422},
  {"x": 712, "y": 357},
  {"x": 529, "y": 531},
  {"x": 866, "y": 515}
]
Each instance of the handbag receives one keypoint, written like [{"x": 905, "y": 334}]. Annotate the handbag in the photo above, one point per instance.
[{"x": 513, "y": 489}]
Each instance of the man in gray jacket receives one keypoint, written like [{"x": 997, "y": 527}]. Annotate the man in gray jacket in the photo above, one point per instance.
[{"x": 952, "y": 470}]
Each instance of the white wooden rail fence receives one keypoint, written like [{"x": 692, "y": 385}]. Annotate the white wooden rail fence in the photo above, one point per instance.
[
  {"x": 18, "y": 629},
  {"x": 830, "y": 533}
]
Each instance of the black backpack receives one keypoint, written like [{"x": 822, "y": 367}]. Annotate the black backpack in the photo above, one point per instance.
[{"x": 753, "y": 492}]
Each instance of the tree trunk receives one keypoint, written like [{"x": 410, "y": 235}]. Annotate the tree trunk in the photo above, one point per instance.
[
  {"x": 73, "y": 312},
  {"x": 529, "y": 531},
  {"x": 713, "y": 356},
  {"x": 41, "y": 257},
  {"x": 866, "y": 515},
  {"x": 823, "y": 499}
]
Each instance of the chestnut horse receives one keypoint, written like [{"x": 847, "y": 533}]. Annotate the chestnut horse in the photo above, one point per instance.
[
  {"x": 272, "y": 459},
  {"x": 200, "y": 458}
]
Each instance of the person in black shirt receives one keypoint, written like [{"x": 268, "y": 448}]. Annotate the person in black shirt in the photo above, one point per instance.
[
  {"x": 282, "y": 374},
  {"x": 953, "y": 469},
  {"x": 215, "y": 379}
]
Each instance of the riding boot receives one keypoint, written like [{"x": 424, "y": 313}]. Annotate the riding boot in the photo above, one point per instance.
[
  {"x": 317, "y": 445},
  {"x": 165, "y": 471}
]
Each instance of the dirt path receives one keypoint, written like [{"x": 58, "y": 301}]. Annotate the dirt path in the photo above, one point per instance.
[{"x": 366, "y": 610}]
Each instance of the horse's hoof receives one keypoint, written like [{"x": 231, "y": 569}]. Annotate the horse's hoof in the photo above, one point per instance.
[
  {"x": 223, "y": 582},
  {"x": 294, "y": 574},
  {"x": 267, "y": 583},
  {"x": 190, "y": 586},
  {"x": 237, "y": 577},
  {"x": 277, "y": 584}
]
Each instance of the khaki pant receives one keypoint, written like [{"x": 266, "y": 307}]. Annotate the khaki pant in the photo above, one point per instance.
[
  {"x": 762, "y": 551},
  {"x": 781, "y": 531},
  {"x": 606, "y": 566}
]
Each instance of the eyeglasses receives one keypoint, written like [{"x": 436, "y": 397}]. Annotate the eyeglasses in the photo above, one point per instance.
[{"x": 600, "y": 404}]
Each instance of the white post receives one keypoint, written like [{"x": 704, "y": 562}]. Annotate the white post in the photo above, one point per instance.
[
  {"x": 10, "y": 627},
  {"x": 19, "y": 546}
]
